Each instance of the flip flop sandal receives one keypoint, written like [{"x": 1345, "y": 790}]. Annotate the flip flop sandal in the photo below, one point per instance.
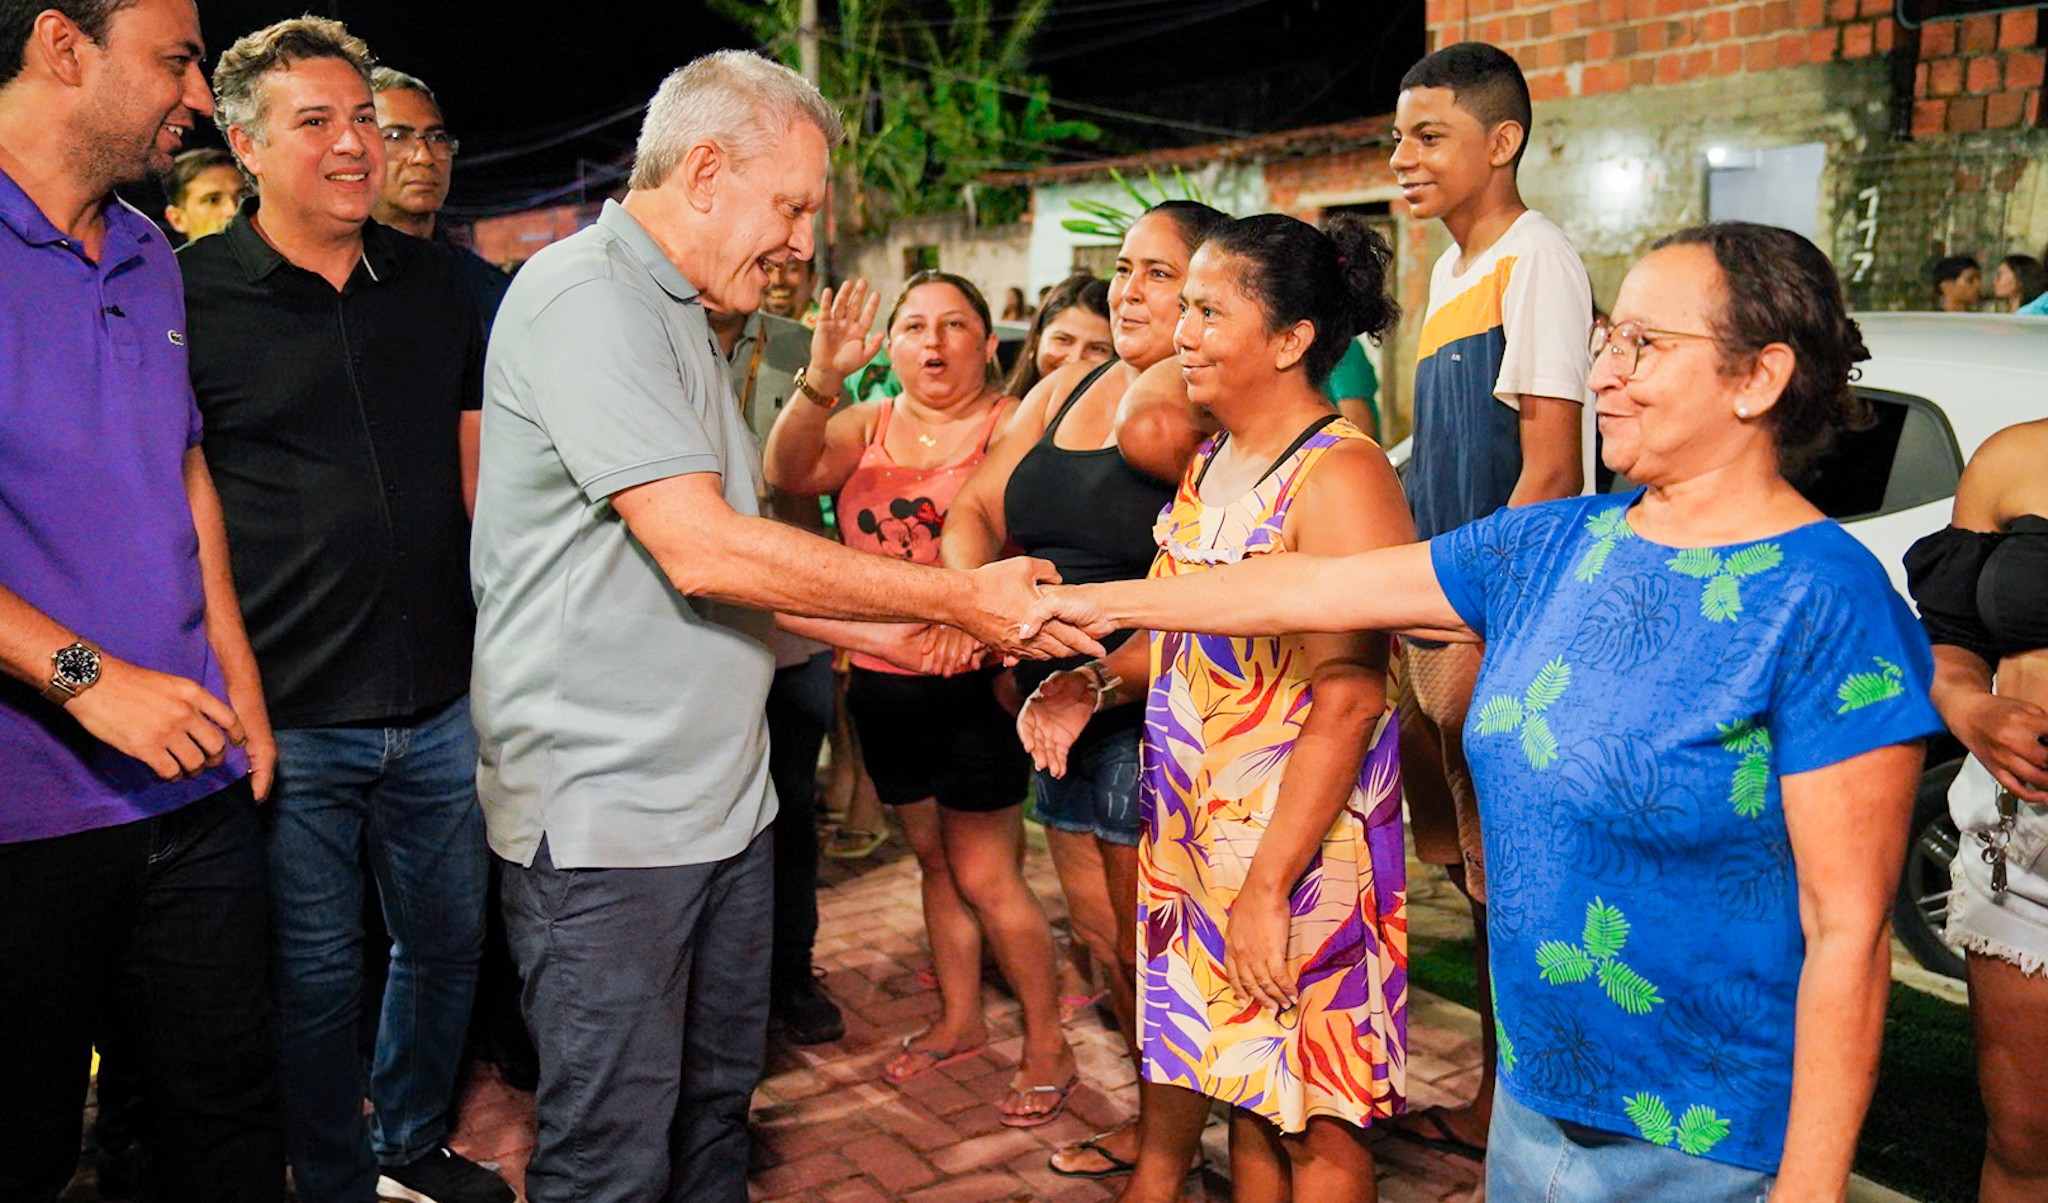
[
  {"x": 1117, "y": 1166},
  {"x": 1072, "y": 1005},
  {"x": 1039, "y": 1119},
  {"x": 1444, "y": 1140},
  {"x": 854, "y": 843},
  {"x": 934, "y": 1059}
]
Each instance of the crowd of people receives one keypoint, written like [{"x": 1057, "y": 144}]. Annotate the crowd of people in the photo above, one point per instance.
[{"x": 382, "y": 601}]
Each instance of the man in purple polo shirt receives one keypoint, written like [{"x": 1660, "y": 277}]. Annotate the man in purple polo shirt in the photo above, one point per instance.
[{"x": 133, "y": 738}]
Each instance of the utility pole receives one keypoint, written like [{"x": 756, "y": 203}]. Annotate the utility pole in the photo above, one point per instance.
[{"x": 807, "y": 61}]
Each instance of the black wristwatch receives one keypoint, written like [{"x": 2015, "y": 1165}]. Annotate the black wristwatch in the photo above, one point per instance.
[{"x": 75, "y": 669}]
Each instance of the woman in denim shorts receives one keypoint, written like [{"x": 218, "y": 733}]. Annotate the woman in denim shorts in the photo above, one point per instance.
[
  {"x": 1982, "y": 587},
  {"x": 1063, "y": 483}
]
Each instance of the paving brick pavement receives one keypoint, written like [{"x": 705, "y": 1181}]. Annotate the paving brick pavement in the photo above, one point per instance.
[{"x": 827, "y": 1130}]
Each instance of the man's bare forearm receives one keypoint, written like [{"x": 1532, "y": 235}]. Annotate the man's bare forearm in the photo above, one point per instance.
[
  {"x": 773, "y": 567},
  {"x": 709, "y": 550},
  {"x": 225, "y": 630},
  {"x": 27, "y": 637}
]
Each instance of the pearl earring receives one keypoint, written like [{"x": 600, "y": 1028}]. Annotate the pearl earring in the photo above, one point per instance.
[{"x": 1742, "y": 411}]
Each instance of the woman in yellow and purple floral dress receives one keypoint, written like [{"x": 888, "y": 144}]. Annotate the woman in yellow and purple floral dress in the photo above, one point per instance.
[{"x": 1272, "y": 942}]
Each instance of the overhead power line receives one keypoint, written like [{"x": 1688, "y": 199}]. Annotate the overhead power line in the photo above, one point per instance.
[
  {"x": 1196, "y": 127},
  {"x": 527, "y": 148}
]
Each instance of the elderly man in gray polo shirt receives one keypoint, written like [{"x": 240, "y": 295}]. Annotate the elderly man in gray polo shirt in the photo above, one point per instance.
[{"x": 623, "y": 584}]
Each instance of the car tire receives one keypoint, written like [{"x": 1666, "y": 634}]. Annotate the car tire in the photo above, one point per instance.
[{"x": 1920, "y": 909}]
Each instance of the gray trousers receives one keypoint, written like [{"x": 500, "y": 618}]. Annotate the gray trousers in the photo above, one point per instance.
[{"x": 646, "y": 991}]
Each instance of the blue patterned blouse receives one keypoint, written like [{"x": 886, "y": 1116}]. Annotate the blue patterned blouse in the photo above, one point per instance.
[{"x": 1636, "y": 710}]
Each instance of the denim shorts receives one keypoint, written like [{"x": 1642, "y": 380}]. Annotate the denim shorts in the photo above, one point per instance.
[
  {"x": 1532, "y": 1158},
  {"x": 1099, "y": 794}
]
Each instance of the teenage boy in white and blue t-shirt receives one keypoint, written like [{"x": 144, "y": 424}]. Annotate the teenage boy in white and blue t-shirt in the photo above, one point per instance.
[{"x": 1500, "y": 382}]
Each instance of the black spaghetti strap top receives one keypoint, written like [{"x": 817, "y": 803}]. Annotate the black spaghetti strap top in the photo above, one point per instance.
[{"x": 1091, "y": 514}]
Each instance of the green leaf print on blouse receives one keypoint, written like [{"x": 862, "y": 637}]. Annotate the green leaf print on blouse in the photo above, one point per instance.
[
  {"x": 1696, "y": 1132},
  {"x": 1721, "y": 596},
  {"x": 1868, "y": 689},
  {"x": 1500, "y": 1031},
  {"x": 1597, "y": 955},
  {"x": 1607, "y": 528},
  {"x": 1505, "y": 713},
  {"x": 1753, "y": 775}
]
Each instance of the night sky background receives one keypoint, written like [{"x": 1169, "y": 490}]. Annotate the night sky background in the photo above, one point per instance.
[{"x": 510, "y": 76}]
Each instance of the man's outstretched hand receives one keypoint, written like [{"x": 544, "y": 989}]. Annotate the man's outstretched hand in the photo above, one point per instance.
[{"x": 1005, "y": 612}]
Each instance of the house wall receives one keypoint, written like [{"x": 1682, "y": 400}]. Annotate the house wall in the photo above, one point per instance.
[
  {"x": 1231, "y": 187},
  {"x": 994, "y": 257},
  {"x": 1933, "y": 137}
]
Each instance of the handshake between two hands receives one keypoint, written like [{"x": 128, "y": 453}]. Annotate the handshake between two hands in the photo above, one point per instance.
[{"x": 1015, "y": 611}]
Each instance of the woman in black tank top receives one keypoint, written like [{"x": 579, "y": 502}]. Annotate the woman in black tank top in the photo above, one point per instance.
[{"x": 1060, "y": 484}]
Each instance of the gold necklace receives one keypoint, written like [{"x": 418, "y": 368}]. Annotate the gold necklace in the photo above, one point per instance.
[{"x": 927, "y": 440}]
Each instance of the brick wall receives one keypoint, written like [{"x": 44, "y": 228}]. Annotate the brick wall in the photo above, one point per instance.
[
  {"x": 1591, "y": 47},
  {"x": 1977, "y": 73}
]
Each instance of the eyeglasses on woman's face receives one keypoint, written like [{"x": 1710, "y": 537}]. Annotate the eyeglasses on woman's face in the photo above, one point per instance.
[{"x": 1621, "y": 344}]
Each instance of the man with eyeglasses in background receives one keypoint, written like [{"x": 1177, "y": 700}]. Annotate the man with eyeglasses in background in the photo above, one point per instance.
[{"x": 419, "y": 159}]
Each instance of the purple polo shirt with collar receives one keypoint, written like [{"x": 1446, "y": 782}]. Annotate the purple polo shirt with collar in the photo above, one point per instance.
[{"x": 96, "y": 414}]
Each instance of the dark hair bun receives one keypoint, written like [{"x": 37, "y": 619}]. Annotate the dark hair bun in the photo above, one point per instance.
[{"x": 1365, "y": 260}]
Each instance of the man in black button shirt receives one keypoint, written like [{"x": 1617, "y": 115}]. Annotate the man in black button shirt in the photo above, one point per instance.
[{"x": 338, "y": 366}]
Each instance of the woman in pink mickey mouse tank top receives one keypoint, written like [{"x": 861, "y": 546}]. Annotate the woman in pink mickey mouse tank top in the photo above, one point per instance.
[{"x": 942, "y": 751}]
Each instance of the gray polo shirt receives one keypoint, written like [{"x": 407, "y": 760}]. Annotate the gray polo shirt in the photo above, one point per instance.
[{"x": 616, "y": 717}]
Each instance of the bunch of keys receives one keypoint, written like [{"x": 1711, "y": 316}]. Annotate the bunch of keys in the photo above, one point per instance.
[{"x": 1996, "y": 839}]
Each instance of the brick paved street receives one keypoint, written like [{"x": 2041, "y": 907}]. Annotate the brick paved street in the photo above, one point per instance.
[{"x": 829, "y": 1130}]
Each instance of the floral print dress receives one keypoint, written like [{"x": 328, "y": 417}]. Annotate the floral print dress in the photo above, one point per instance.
[{"x": 1221, "y": 720}]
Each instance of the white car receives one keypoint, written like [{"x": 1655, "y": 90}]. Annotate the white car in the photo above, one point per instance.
[{"x": 1940, "y": 384}]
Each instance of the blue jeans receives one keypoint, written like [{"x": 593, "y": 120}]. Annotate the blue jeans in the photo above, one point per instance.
[
  {"x": 399, "y": 803},
  {"x": 1532, "y": 1158},
  {"x": 1099, "y": 794}
]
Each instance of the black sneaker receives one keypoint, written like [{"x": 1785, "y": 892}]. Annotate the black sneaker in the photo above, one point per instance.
[
  {"x": 442, "y": 1176},
  {"x": 807, "y": 1014}
]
